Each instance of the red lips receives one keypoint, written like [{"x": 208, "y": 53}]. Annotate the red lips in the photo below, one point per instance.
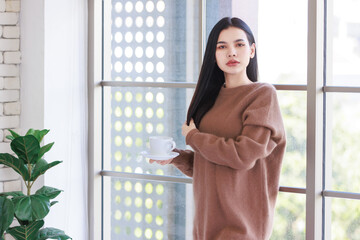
[{"x": 232, "y": 62}]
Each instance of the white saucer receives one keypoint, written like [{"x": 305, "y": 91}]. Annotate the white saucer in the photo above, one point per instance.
[{"x": 159, "y": 157}]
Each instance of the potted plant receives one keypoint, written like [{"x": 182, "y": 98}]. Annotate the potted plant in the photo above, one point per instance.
[{"x": 29, "y": 209}]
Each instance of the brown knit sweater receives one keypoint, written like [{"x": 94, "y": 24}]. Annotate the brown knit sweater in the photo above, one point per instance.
[{"x": 235, "y": 165}]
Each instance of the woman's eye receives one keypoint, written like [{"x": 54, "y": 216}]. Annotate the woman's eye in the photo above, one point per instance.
[
  {"x": 221, "y": 47},
  {"x": 240, "y": 45}
]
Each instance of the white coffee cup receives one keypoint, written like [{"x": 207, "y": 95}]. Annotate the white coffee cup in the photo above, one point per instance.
[{"x": 161, "y": 145}]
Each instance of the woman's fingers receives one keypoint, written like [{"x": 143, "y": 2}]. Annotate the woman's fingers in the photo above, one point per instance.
[
  {"x": 161, "y": 162},
  {"x": 185, "y": 129},
  {"x": 166, "y": 161}
]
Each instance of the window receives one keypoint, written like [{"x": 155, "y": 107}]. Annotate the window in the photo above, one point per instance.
[
  {"x": 341, "y": 104},
  {"x": 144, "y": 61},
  {"x": 150, "y": 63}
]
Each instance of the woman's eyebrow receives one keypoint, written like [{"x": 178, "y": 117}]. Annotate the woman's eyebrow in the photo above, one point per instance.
[{"x": 237, "y": 40}]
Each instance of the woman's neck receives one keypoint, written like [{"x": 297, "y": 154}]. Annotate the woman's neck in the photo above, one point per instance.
[{"x": 232, "y": 80}]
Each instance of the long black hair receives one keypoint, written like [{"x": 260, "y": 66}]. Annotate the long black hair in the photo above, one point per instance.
[{"x": 211, "y": 77}]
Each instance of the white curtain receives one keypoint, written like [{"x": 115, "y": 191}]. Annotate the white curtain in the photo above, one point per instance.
[{"x": 65, "y": 110}]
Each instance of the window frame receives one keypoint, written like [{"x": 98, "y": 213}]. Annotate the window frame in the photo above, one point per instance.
[{"x": 316, "y": 89}]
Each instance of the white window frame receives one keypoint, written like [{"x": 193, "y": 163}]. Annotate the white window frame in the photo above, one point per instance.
[{"x": 316, "y": 91}]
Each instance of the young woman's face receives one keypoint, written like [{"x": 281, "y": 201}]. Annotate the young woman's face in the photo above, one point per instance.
[{"x": 233, "y": 51}]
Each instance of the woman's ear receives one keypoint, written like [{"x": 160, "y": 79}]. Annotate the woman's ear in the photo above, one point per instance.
[{"x": 252, "y": 48}]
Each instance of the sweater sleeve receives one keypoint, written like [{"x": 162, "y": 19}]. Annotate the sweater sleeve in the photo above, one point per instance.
[
  {"x": 184, "y": 162},
  {"x": 261, "y": 132}
]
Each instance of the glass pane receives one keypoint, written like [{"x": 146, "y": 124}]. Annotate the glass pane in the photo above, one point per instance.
[
  {"x": 293, "y": 109},
  {"x": 344, "y": 43},
  {"x": 153, "y": 41},
  {"x": 343, "y": 138},
  {"x": 131, "y": 115},
  {"x": 216, "y": 10},
  {"x": 289, "y": 220},
  {"x": 344, "y": 219},
  {"x": 136, "y": 209},
  {"x": 281, "y": 36},
  {"x": 282, "y": 41}
]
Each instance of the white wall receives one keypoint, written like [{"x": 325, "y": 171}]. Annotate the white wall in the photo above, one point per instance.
[
  {"x": 54, "y": 97},
  {"x": 66, "y": 110},
  {"x": 32, "y": 67}
]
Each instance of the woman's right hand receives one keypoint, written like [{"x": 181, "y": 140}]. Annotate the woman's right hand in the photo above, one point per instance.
[
  {"x": 185, "y": 129},
  {"x": 161, "y": 162}
]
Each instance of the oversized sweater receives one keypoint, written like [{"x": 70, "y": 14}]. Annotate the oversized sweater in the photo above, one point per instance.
[{"x": 235, "y": 164}]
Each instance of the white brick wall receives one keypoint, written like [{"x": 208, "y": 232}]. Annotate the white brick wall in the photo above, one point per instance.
[
  {"x": 5, "y": 147},
  {"x": 9, "y": 121},
  {"x": 9, "y": 95},
  {"x": 8, "y": 174},
  {"x": 10, "y": 106},
  {"x": 9, "y": 70},
  {"x": 9, "y": 18},
  {"x": 11, "y": 32},
  {"x": 9, "y": 44},
  {"x": 12, "y": 186},
  {"x": 12, "y": 57},
  {"x": 10, "y": 83},
  {"x": 12, "y": 6},
  {"x": 2, "y": 5}
]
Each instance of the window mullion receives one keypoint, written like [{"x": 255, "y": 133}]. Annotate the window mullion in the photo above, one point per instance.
[
  {"x": 95, "y": 120},
  {"x": 202, "y": 28},
  {"x": 314, "y": 169},
  {"x": 191, "y": 84}
]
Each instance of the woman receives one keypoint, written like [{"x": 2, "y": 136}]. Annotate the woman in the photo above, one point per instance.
[{"x": 235, "y": 129}]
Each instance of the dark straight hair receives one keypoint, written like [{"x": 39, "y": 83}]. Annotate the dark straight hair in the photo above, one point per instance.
[{"x": 211, "y": 77}]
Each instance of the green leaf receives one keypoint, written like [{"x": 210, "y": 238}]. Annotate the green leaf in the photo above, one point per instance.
[
  {"x": 16, "y": 164},
  {"x": 49, "y": 192},
  {"x": 41, "y": 167},
  {"x": 52, "y": 233},
  {"x": 12, "y": 194},
  {"x": 53, "y": 203},
  {"x": 41, "y": 163},
  {"x": 13, "y": 133},
  {"x": 28, "y": 232},
  {"x": 45, "y": 149},
  {"x": 6, "y": 214},
  {"x": 27, "y": 148},
  {"x": 10, "y": 138},
  {"x": 30, "y": 132},
  {"x": 39, "y": 134},
  {"x": 31, "y": 208}
]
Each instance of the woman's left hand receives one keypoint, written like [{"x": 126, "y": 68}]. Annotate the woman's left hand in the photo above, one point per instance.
[{"x": 187, "y": 128}]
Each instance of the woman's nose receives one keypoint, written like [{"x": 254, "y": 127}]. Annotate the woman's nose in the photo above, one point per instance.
[{"x": 232, "y": 53}]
